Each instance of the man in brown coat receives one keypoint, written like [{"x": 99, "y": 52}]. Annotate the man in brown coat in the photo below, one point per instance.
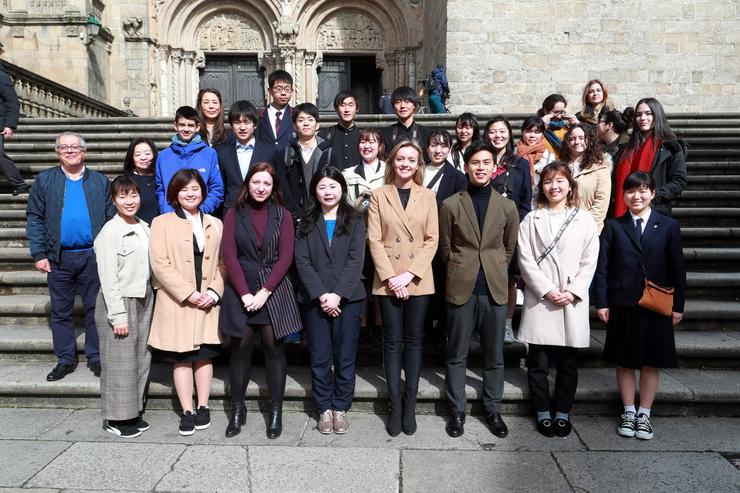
[{"x": 477, "y": 236}]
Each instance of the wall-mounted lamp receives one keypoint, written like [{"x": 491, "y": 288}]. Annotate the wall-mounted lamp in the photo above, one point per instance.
[{"x": 92, "y": 28}]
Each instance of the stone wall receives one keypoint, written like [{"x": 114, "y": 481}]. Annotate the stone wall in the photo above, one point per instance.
[
  {"x": 435, "y": 36},
  {"x": 507, "y": 56}
]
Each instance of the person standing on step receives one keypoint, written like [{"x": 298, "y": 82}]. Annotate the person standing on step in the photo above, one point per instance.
[
  {"x": 467, "y": 131},
  {"x": 10, "y": 110},
  {"x": 67, "y": 208},
  {"x": 184, "y": 252},
  {"x": 403, "y": 233},
  {"x": 405, "y": 102},
  {"x": 139, "y": 166},
  {"x": 259, "y": 300},
  {"x": 558, "y": 251},
  {"x": 275, "y": 125},
  {"x": 329, "y": 257},
  {"x": 123, "y": 312},
  {"x": 477, "y": 237},
  {"x": 639, "y": 245},
  {"x": 211, "y": 114},
  {"x": 344, "y": 137}
]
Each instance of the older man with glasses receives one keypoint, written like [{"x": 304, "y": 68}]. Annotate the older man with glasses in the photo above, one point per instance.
[{"x": 67, "y": 207}]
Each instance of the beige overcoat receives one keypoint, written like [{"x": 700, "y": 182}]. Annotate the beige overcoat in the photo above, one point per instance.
[
  {"x": 595, "y": 190},
  {"x": 569, "y": 267},
  {"x": 177, "y": 325}
]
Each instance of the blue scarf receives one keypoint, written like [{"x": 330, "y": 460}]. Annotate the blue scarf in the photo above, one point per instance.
[
  {"x": 195, "y": 140},
  {"x": 555, "y": 141}
]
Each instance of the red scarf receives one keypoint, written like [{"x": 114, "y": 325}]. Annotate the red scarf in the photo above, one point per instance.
[
  {"x": 640, "y": 160},
  {"x": 532, "y": 154}
]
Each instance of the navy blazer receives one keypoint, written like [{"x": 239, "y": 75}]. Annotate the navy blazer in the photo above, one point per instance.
[
  {"x": 290, "y": 176},
  {"x": 266, "y": 133},
  {"x": 619, "y": 280},
  {"x": 516, "y": 184},
  {"x": 10, "y": 107},
  {"x": 334, "y": 267},
  {"x": 231, "y": 174},
  {"x": 451, "y": 182}
]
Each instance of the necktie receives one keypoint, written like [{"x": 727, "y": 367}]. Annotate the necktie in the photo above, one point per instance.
[
  {"x": 277, "y": 122},
  {"x": 638, "y": 228}
]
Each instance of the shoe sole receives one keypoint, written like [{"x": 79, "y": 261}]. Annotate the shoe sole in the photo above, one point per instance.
[
  {"x": 644, "y": 436},
  {"x": 187, "y": 433},
  {"x": 143, "y": 428},
  {"x": 202, "y": 427},
  {"x": 116, "y": 432},
  {"x": 341, "y": 432},
  {"x": 325, "y": 432},
  {"x": 626, "y": 433}
]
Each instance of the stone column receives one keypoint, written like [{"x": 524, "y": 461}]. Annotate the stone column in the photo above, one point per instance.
[
  {"x": 165, "y": 88},
  {"x": 312, "y": 76}
]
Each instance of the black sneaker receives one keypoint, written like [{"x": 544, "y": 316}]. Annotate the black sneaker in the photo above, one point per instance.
[
  {"x": 626, "y": 427},
  {"x": 141, "y": 425},
  {"x": 202, "y": 418},
  {"x": 120, "y": 429},
  {"x": 643, "y": 429},
  {"x": 187, "y": 423}
]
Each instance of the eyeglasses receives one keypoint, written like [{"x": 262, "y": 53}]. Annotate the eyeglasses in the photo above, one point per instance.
[{"x": 69, "y": 148}]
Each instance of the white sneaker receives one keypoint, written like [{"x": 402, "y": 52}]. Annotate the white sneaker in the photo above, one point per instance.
[
  {"x": 626, "y": 427},
  {"x": 643, "y": 429},
  {"x": 509, "y": 333}
]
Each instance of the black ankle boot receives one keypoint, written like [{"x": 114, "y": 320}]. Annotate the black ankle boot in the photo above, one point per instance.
[
  {"x": 275, "y": 425},
  {"x": 238, "y": 418},
  {"x": 393, "y": 427},
  {"x": 409, "y": 415}
]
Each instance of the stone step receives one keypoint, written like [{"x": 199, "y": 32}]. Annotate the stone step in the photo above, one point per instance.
[
  {"x": 682, "y": 391},
  {"x": 707, "y": 216},
  {"x": 709, "y": 198},
  {"x": 703, "y": 237}
]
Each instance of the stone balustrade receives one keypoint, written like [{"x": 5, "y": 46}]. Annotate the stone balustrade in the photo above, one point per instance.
[{"x": 44, "y": 98}]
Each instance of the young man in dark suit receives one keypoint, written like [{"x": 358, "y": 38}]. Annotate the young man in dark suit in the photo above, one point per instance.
[
  {"x": 241, "y": 150},
  {"x": 405, "y": 102},
  {"x": 275, "y": 125},
  {"x": 9, "y": 112},
  {"x": 478, "y": 231},
  {"x": 344, "y": 137}
]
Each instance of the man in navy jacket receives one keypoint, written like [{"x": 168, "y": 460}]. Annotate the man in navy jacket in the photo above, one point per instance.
[{"x": 9, "y": 112}]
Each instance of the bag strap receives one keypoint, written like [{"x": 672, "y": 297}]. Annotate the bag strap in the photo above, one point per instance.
[
  {"x": 436, "y": 178},
  {"x": 555, "y": 240}
]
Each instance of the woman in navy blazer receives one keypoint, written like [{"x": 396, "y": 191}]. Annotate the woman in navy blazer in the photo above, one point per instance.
[
  {"x": 637, "y": 338},
  {"x": 329, "y": 256}
]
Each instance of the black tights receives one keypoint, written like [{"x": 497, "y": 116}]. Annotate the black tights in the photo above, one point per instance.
[{"x": 240, "y": 364}]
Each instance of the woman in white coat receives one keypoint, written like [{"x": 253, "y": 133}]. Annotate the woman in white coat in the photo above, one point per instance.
[{"x": 558, "y": 252}]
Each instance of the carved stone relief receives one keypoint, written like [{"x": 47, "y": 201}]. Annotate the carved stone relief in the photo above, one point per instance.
[
  {"x": 47, "y": 6},
  {"x": 132, "y": 26},
  {"x": 229, "y": 32},
  {"x": 350, "y": 31}
]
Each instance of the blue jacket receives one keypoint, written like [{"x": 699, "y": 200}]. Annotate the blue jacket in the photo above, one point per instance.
[
  {"x": 194, "y": 155},
  {"x": 45, "y": 204},
  {"x": 439, "y": 81}
]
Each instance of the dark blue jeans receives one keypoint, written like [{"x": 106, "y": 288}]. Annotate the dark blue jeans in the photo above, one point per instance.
[
  {"x": 74, "y": 270},
  {"x": 332, "y": 340}
]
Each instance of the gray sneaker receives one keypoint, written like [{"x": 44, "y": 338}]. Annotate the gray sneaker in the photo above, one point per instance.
[
  {"x": 326, "y": 422},
  {"x": 341, "y": 423}
]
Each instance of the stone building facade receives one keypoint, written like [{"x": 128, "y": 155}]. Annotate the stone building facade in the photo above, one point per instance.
[{"x": 153, "y": 55}]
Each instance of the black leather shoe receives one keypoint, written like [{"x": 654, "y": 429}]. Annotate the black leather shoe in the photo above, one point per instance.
[
  {"x": 562, "y": 427},
  {"x": 455, "y": 425},
  {"x": 60, "y": 371},
  {"x": 21, "y": 189},
  {"x": 94, "y": 367},
  {"x": 238, "y": 418},
  {"x": 545, "y": 427},
  {"x": 497, "y": 426},
  {"x": 275, "y": 425}
]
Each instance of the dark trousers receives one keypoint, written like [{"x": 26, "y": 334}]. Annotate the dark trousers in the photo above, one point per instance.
[
  {"x": 539, "y": 361},
  {"x": 403, "y": 327},
  {"x": 332, "y": 341},
  {"x": 74, "y": 270},
  {"x": 7, "y": 167},
  {"x": 479, "y": 313}
]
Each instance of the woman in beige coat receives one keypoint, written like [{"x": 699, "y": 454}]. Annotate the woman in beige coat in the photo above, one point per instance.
[
  {"x": 558, "y": 252},
  {"x": 592, "y": 170},
  {"x": 184, "y": 253},
  {"x": 403, "y": 232}
]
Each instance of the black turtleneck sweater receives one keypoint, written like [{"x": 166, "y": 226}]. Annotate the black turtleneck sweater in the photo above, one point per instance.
[{"x": 480, "y": 197}]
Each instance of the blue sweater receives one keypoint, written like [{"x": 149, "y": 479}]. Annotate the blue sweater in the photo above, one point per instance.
[{"x": 195, "y": 155}]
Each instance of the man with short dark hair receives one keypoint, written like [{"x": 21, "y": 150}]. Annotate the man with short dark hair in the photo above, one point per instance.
[
  {"x": 9, "y": 113},
  {"x": 344, "y": 137},
  {"x": 67, "y": 208},
  {"x": 478, "y": 230},
  {"x": 275, "y": 125},
  {"x": 405, "y": 102}
]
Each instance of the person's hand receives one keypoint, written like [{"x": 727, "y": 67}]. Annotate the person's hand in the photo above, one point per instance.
[
  {"x": 205, "y": 302},
  {"x": 560, "y": 298},
  {"x": 43, "y": 265},
  {"x": 603, "y": 314},
  {"x": 7, "y": 132},
  {"x": 676, "y": 318},
  {"x": 121, "y": 330},
  {"x": 259, "y": 300},
  {"x": 330, "y": 301},
  {"x": 570, "y": 118},
  {"x": 402, "y": 294},
  {"x": 569, "y": 298},
  {"x": 546, "y": 118},
  {"x": 247, "y": 300},
  {"x": 194, "y": 298},
  {"x": 400, "y": 281}
]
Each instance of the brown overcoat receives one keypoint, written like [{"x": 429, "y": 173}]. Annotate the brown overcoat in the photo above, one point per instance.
[{"x": 177, "y": 325}]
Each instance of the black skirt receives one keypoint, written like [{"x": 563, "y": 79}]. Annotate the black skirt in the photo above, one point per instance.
[
  {"x": 206, "y": 351},
  {"x": 636, "y": 337}
]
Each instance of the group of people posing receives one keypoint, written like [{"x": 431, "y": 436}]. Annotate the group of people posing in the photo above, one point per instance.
[{"x": 322, "y": 226}]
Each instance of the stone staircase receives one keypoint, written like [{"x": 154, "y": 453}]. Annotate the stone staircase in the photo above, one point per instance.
[{"x": 708, "y": 341}]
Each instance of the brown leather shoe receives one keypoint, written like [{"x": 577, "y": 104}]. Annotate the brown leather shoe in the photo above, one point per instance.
[
  {"x": 326, "y": 422},
  {"x": 341, "y": 423}
]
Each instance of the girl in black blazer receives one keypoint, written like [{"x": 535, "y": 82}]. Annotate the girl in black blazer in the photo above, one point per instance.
[
  {"x": 329, "y": 256},
  {"x": 637, "y": 338}
]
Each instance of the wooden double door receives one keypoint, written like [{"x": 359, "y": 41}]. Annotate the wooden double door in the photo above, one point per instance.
[
  {"x": 357, "y": 74},
  {"x": 236, "y": 78}
]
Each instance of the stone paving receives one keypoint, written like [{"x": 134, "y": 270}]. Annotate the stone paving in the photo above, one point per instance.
[{"x": 67, "y": 450}]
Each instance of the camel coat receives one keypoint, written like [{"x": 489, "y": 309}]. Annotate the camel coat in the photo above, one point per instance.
[
  {"x": 403, "y": 239},
  {"x": 595, "y": 190},
  {"x": 178, "y": 326},
  {"x": 570, "y": 266}
]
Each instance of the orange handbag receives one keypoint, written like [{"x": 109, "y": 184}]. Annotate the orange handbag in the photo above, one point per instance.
[{"x": 657, "y": 298}]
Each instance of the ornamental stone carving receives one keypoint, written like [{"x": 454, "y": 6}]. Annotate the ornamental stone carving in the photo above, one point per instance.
[
  {"x": 227, "y": 32},
  {"x": 132, "y": 26},
  {"x": 350, "y": 31},
  {"x": 286, "y": 31}
]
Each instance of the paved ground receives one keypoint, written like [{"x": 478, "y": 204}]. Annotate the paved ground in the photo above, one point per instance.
[{"x": 64, "y": 449}]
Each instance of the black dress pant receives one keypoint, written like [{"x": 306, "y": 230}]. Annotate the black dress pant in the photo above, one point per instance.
[
  {"x": 7, "y": 167},
  {"x": 539, "y": 361}
]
